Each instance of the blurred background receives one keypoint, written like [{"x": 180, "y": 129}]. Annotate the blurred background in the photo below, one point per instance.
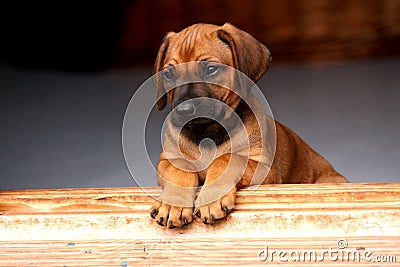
[{"x": 69, "y": 68}]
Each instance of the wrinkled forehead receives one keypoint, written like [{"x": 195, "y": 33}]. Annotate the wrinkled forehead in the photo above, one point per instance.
[{"x": 198, "y": 44}]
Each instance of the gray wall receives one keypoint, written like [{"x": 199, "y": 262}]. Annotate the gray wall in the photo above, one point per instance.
[{"x": 62, "y": 129}]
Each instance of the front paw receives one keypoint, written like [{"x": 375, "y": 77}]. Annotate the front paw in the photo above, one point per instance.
[
  {"x": 171, "y": 216},
  {"x": 212, "y": 212}
]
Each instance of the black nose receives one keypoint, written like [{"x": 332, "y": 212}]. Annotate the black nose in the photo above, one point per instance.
[{"x": 186, "y": 109}]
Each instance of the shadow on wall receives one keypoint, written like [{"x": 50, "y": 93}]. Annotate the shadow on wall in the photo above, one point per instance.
[{"x": 63, "y": 35}]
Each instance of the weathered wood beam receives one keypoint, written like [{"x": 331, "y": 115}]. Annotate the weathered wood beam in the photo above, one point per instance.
[{"x": 112, "y": 227}]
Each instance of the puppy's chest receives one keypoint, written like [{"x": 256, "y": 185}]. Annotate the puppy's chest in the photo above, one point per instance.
[{"x": 202, "y": 176}]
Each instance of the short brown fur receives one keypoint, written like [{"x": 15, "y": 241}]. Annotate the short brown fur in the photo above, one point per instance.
[{"x": 294, "y": 161}]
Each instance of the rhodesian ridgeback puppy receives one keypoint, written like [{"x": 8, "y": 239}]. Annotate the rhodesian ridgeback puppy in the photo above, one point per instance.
[{"x": 271, "y": 156}]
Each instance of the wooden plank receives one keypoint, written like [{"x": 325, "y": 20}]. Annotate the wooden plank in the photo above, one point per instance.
[{"x": 112, "y": 227}]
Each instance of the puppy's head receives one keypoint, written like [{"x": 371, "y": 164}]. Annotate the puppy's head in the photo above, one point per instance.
[{"x": 211, "y": 48}]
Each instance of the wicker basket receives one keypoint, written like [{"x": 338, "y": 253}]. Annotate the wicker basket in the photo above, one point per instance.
[{"x": 294, "y": 30}]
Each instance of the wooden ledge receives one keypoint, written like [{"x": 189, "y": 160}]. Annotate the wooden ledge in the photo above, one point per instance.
[{"x": 112, "y": 227}]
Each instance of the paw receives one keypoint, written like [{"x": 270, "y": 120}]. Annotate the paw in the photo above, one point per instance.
[
  {"x": 216, "y": 210},
  {"x": 171, "y": 216}
]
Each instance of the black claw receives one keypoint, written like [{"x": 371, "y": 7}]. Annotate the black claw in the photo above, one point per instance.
[
  {"x": 171, "y": 225},
  {"x": 160, "y": 221},
  {"x": 185, "y": 222},
  {"x": 205, "y": 220},
  {"x": 197, "y": 213},
  {"x": 227, "y": 211},
  {"x": 153, "y": 213},
  {"x": 214, "y": 220}
]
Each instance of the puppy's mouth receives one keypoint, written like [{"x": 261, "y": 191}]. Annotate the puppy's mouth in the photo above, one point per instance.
[
  {"x": 198, "y": 121},
  {"x": 201, "y": 121},
  {"x": 195, "y": 113}
]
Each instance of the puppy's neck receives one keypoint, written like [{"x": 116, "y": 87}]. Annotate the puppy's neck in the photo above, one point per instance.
[{"x": 215, "y": 131}]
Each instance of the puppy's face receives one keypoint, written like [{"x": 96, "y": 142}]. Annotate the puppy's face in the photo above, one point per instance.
[
  {"x": 213, "y": 52},
  {"x": 190, "y": 101}
]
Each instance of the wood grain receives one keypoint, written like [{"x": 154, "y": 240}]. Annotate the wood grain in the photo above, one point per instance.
[{"x": 112, "y": 227}]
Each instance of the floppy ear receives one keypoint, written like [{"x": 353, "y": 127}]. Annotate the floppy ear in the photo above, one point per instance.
[
  {"x": 160, "y": 90},
  {"x": 250, "y": 56}
]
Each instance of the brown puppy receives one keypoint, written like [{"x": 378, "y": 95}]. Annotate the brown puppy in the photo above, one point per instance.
[{"x": 291, "y": 161}]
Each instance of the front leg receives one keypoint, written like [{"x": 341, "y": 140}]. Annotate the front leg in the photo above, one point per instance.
[
  {"x": 218, "y": 196},
  {"x": 174, "y": 207}
]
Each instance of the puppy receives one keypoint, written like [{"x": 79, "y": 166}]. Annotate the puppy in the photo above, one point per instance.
[{"x": 226, "y": 164}]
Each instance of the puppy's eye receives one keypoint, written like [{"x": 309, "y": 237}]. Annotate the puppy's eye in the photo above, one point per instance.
[
  {"x": 212, "y": 70},
  {"x": 168, "y": 76}
]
